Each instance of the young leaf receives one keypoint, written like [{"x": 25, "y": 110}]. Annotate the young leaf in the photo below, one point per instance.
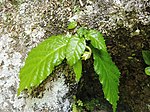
[
  {"x": 75, "y": 48},
  {"x": 78, "y": 70},
  {"x": 72, "y": 25},
  {"x": 97, "y": 39},
  {"x": 146, "y": 56},
  {"x": 147, "y": 71},
  {"x": 108, "y": 75},
  {"x": 87, "y": 54},
  {"x": 41, "y": 61},
  {"x": 82, "y": 31}
]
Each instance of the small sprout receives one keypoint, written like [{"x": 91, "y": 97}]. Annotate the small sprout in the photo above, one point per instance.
[
  {"x": 72, "y": 25},
  {"x": 80, "y": 103},
  {"x": 87, "y": 54},
  {"x": 74, "y": 108},
  {"x": 147, "y": 71}
]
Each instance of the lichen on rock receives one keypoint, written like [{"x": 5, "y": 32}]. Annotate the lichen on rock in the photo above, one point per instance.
[
  {"x": 25, "y": 23},
  {"x": 21, "y": 31}
]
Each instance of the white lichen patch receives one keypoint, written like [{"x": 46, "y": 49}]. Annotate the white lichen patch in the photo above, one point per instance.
[
  {"x": 20, "y": 31},
  {"x": 53, "y": 99},
  {"x": 10, "y": 62}
]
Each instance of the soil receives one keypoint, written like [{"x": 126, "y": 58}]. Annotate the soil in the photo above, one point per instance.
[
  {"x": 134, "y": 83},
  {"x": 126, "y": 52}
]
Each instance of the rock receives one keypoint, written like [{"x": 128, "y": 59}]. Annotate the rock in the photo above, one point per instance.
[{"x": 25, "y": 23}]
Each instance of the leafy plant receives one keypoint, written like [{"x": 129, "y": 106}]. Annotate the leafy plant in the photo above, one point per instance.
[
  {"x": 41, "y": 60},
  {"x": 146, "y": 57},
  {"x": 77, "y": 105}
]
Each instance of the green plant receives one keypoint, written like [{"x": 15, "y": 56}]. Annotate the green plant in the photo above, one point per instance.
[
  {"x": 41, "y": 61},
  {"x": 146, "y": 57},
  {"x": 77, "y": 105}
]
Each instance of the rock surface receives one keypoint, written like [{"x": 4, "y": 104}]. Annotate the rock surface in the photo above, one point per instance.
[{"x": 25, "y": 23}]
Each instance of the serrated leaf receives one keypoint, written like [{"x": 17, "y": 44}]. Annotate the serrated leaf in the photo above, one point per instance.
[
  {"x": 77, "y": 67},
  {"x": 75, "y": 49},
  {"x": 72, "y": 25},
  {"x": 146, "y": 56},
  {"x": 147, "y": 71},
  {"x": 108, "y": 76},
  {"x": 41, "y": 61},
  {"x": 97, "y": 40}
]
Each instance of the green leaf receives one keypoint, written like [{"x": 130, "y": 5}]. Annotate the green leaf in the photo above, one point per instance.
[
  {"x": 108, "y": 75},
  {"x": 41, "y": 61},
  {"x": 72, "y": 25},
  {"x": 75, "y": 49},
  {"x": 78, "y": 70},
  {"x": 146, "y": 56},
  {"x": 97, "y": 39},
  {"x": 82, "y": 31},
  {"x": 74, "y": 108},
  {"x": 147, "y": 71}
]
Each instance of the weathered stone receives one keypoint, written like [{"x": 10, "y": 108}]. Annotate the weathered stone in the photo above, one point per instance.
[{"x": 25, "y": 23}]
